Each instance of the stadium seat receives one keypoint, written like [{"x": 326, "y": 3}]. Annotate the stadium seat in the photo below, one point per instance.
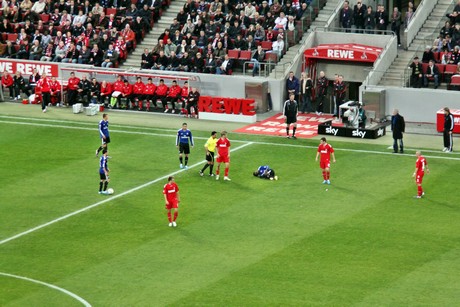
[
  {"x": 450, "y": 70},
  {"x": 266, "y": 45},
  {"x": 12, "y": 37},
  {"x": 233, "y": 54},
  {"x": 271, "y": 57},
  {"x": 109, "y": 11},
  {"x": 45, "y": 18},
  {"x": 454, "y": 83}
]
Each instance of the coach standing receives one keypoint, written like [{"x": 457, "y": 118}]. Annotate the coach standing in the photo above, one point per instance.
[
  {"x": 448, "y": 128},
  {"x": 44, "y": 85},
  {"x": 397, "y": 126}
]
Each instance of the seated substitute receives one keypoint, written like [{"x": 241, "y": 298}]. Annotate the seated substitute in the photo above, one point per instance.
[{"x": 265, "y": 172}]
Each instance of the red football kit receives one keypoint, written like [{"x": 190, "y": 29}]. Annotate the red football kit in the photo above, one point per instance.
[
  {"x": 44, "y": 84},
  {"x": 55, "y": 86},
  {"x": 150, "y": 89},
  {"x": 7, "y": 80},
  {"x": 223, "y": 146},
  {"x": 72, "y": 84},
  {"x": 118, "y": 86},
  {"x": 138, "y": 88},
  {"x": 170, "y": 190},
  {"x": 162, "y": 90},
  {"x": 420, "y": 165},
  {"x": 127, "y": 90},
  {"x": 174, "y": 91},
  {"x": 105, "y": 91},
  {"x": 325, "y": 151}
]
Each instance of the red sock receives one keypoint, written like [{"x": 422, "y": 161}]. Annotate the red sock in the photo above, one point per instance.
[
  {"x": 419, "y": 190},
  {"x": 324, "y": 175},
  {"x": 175, "y": 215},
  {"x": 328, "y": 175},
  {"x": 226, "y": 172},
  {"x": 217, "y": 171},
  {"x": 169, "y": 217}
]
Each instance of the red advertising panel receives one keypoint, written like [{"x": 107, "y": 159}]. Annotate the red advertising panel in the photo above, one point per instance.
[
  {"x": 226, "y": 105},
  {"x": 344, "y": 52},
  {"x": 27, "y": 67}
]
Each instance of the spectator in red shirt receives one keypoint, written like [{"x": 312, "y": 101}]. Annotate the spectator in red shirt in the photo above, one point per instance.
[
  {"x": 7, "y": 82},
  {"x": 72, "y": 87}
]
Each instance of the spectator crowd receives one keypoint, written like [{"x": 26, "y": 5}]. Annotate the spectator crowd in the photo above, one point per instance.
[
  {"x": 215, "y": 36},
  {"x": 99, "y": 33}
]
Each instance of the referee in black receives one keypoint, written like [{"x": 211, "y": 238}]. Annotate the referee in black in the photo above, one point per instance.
[
  {"x": 448, "y": 129},
  {"x": 290, "y": 112}
]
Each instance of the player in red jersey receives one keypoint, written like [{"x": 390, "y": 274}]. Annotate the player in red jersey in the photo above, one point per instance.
[
  {"x": 149, "y": 95},
  {"x": 55, "y": 91},
  {"x": 138, "y": 94},
  {"x": 172, "y": 200},
  {"x": 326, "y": 151},
  {"x": 420, "y": 169},
  {"x": 223, "y": 154}
]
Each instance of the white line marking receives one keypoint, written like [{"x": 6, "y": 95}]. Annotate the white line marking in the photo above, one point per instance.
[
  {"x": 447, "y": 156},
  {"x": 78, "y": 298},
  {"x": 106, "y": 200}
]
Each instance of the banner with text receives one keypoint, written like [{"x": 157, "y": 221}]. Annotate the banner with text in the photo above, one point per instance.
[{"x": 27, "y": 67}]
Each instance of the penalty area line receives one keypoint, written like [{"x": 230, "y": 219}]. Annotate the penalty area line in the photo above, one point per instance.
[
  {"x": 64, "y": 217},
  {"x": 67, "y": 292}
]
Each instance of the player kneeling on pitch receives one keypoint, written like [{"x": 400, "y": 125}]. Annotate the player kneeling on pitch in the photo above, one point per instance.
[{"x": 265, "y": 172}]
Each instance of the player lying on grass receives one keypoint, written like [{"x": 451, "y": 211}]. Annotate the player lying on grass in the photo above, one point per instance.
[{"x": 265, "y": 172}]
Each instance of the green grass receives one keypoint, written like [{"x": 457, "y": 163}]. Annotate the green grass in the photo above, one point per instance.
[{"x": 248, "y": 242}]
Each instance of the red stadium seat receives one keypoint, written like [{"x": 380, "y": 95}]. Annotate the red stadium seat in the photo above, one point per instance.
[
  {"x": 109, "y": 11},
  {"x": 271, "y": 57},
  {"x": 233, "y": 54},
  {"x": 245, "y": 55},
  {"x": 266, "y": 45},
  {"x": 12, "y": 37},
  {"x": 45, "y": 18}
]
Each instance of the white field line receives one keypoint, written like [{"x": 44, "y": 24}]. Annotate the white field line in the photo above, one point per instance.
[
  {"x": 67, "y": 292},
  {"x": 92, "y": 124},
  {"x": 446, "y": 156},
  {"x": 106, "y": 200}
]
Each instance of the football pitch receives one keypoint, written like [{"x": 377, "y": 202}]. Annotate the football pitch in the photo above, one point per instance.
[{"x": 364, "y": 240}]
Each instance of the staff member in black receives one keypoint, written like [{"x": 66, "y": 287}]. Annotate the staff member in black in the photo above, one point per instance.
[
  {"x": 448, "y": 128},
  {"x": 398, "y": 125},
  {"x": 290, "y": 112},
  {"x": 322, "y": 83}
]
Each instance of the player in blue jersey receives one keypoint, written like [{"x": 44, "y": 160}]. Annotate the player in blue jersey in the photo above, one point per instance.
[
  {"x": 103, "y": 133},
  {"x": 265, "y": 172},
  {"x": 183, "y": 141},
  {"x": 103, "y": 173}
]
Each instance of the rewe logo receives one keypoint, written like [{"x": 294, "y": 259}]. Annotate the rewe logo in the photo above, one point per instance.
[
  {"x": 331, "y": 130},
  {"x": 380, "y": 132},
  {"x": 358, "y": 133},
  {"x": 340, "y": 54}
]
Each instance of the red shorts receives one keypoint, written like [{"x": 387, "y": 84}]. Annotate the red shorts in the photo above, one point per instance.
[
  {"x": 325, "y": 164},
  {"x": 173, "y": 204},
  {"x": 419, "y": 177},
  {"x": 223, "y": 159}
]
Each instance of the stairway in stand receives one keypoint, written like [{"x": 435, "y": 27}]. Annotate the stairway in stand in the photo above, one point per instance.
[
  {"x": 151, "y": 38},
  {"x": 394, "y": 76}
]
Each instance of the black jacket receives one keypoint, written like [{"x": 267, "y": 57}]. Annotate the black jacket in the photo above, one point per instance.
[{"x": 398, "y": 126}]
